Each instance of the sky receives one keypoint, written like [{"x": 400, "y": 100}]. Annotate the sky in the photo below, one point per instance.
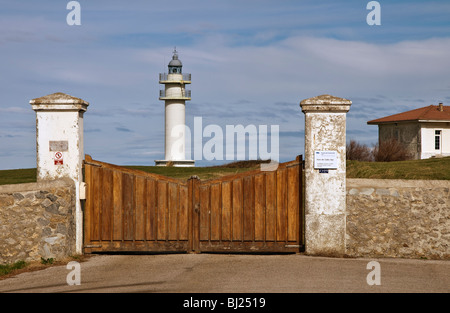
[{"x": 252, "y": 62}]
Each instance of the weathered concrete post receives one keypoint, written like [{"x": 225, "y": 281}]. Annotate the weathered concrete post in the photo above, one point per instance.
[
  {"x": 59, "y": 144},
  {"x": 325, "y": 171}
]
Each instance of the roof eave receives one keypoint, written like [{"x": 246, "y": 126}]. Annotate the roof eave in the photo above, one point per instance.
[
  {"x": 375, "y": 122},
  {"x": 434, "y": 121}
]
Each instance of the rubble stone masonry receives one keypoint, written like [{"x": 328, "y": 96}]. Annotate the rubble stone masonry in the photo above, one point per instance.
[
  {"x": 398, "y": 218},
  {"x": 37, "y": 220}
]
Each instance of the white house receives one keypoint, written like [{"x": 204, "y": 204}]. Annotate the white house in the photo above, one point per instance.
[{"x": 425, "y": 131}]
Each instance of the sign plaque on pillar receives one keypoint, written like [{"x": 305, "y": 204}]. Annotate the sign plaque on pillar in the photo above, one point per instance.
[{"x": 325, "y": 160}]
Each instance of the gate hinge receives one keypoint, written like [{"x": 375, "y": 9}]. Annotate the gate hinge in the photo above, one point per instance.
[
  {"x": 82, "y": 191},
  {"x": 292, "y": 246}
]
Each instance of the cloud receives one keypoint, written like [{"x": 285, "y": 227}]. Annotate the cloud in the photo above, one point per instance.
[
  {"x": 124, "y": 129},
  {"x": 19, "y": 110}
]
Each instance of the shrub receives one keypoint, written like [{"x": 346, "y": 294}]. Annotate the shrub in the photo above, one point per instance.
[
  {"x": 47, "y": 261},
  {"x": 390, "y": 150},
  {"x": 358, "y": 152}
]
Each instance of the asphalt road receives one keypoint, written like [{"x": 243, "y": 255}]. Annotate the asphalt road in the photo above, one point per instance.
[{"x": 216, "y": 273}]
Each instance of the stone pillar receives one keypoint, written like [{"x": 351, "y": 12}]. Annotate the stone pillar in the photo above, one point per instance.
[
  {"x": 59, "y": 144},
  {"x": 325, "y": 172}
]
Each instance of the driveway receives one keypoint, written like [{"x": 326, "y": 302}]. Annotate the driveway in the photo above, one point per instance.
[{"x": 217, "y": 273}]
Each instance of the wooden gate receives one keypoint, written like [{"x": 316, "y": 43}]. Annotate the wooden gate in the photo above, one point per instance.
[{"x": 131, "y": 210}]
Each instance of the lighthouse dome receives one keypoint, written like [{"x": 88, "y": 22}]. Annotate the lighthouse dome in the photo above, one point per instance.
[
  {"x": 175, "y": 61},
  {"x": 175, "y": 65}
]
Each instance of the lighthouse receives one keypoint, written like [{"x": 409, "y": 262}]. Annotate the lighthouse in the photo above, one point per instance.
[{"x": 175, "y": 96}]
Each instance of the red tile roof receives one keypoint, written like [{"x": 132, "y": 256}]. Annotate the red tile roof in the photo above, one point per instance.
[{"x": 430, "y": 112}]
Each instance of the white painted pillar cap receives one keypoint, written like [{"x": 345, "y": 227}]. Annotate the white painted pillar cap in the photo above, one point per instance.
[
  {"x": 325, "y": 103},
  {"x": 59, "y": 102}
]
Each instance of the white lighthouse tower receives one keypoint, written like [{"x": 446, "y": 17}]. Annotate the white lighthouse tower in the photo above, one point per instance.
[{"x": 175, "y": 96}]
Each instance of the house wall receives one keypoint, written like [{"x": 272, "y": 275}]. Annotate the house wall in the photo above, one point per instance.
[
  {"x": 398, "y": 218},
  {"x": 428, "y": 134},
  {"x": 406, "y": 133},
  {"x": 37, "y": 220}
]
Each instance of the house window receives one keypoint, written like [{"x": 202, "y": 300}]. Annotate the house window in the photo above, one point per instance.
[
  {"x": 437, "y": 139},
  {"x": 397, "y": 134}
]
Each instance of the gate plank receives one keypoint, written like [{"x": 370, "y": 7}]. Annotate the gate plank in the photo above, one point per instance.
[
  {"x": 140, "y": 207},
  {"x": 215, "y": 219},
  {"x": 184, "y": 213},
  {"x": 106, "y": 206},
  {"x": 150, "y": 230},
  {"x": 271, "y": 206},
  {"x": 259, "y": 207},
  {"x": 237, "y": 210},
  {"x": 195, "y": 207},
  {"x": 97, "y": 183},
  {"x": 281, "y": 204},
  {"x": 128, "y": 220},
  {"x": 226, "y": 210},
  {"x": 204, "y": 212},
  {"x": 293, "y": 203},
  {"x": 173, "y": 211},
  {"x": 88, "y": 207},
  {"x": 162, "y": 211},
  {"x": 118, "y": 206},
  {"x": 248, "y": 207}
]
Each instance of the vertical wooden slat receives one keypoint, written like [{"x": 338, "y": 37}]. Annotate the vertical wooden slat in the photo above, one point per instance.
[
  {"x": 106, "y": 196},
  {"x": 162, "y": 210},
  {"x": 184, "y": 213},
  {"x": 301, "y": 199},
  {"x": 293, "y": 203},
  {"x": 195, "y": 215},
  {"x": 140, "y": 207},
  {"x": 215, "y": 212},
  {"x": 260, "y": 198},
  {"x": 88, "y": 204},
  {"x": 173, "y": 211},
  {"x": 248, "y": 207},
  {"x": 237, "y": 209},
  {"x": 178, "y": 210},
  {"x": 226, "y": 210},
  {"x": 191, "y": 214},
  {"x": 128, "y": 218},
  {"x": 281, "y": 204},
  {"x": 150, "y": 229},
  {"x": 118, "y": 206},
  {"x": 97, "y": 183},
  {"x": 271, "y": 206},
  {"x": 204, "y": 212}
]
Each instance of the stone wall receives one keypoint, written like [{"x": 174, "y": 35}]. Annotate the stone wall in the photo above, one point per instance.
[
  {"x": 37, "y": 220},
  {"x": 407, "y": 133},
  {"x": 398, "y": 218}
]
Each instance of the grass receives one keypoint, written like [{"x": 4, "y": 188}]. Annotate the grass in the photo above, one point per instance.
[
  {"x": 427, "y": 169},
  {"x": 435, "y": 168},
  {"x": 186, "y": 172},
  {"x": 202, "y": 172},
  {"x": 19, "y": 176},
  {"x": 10, "y": 268}
]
